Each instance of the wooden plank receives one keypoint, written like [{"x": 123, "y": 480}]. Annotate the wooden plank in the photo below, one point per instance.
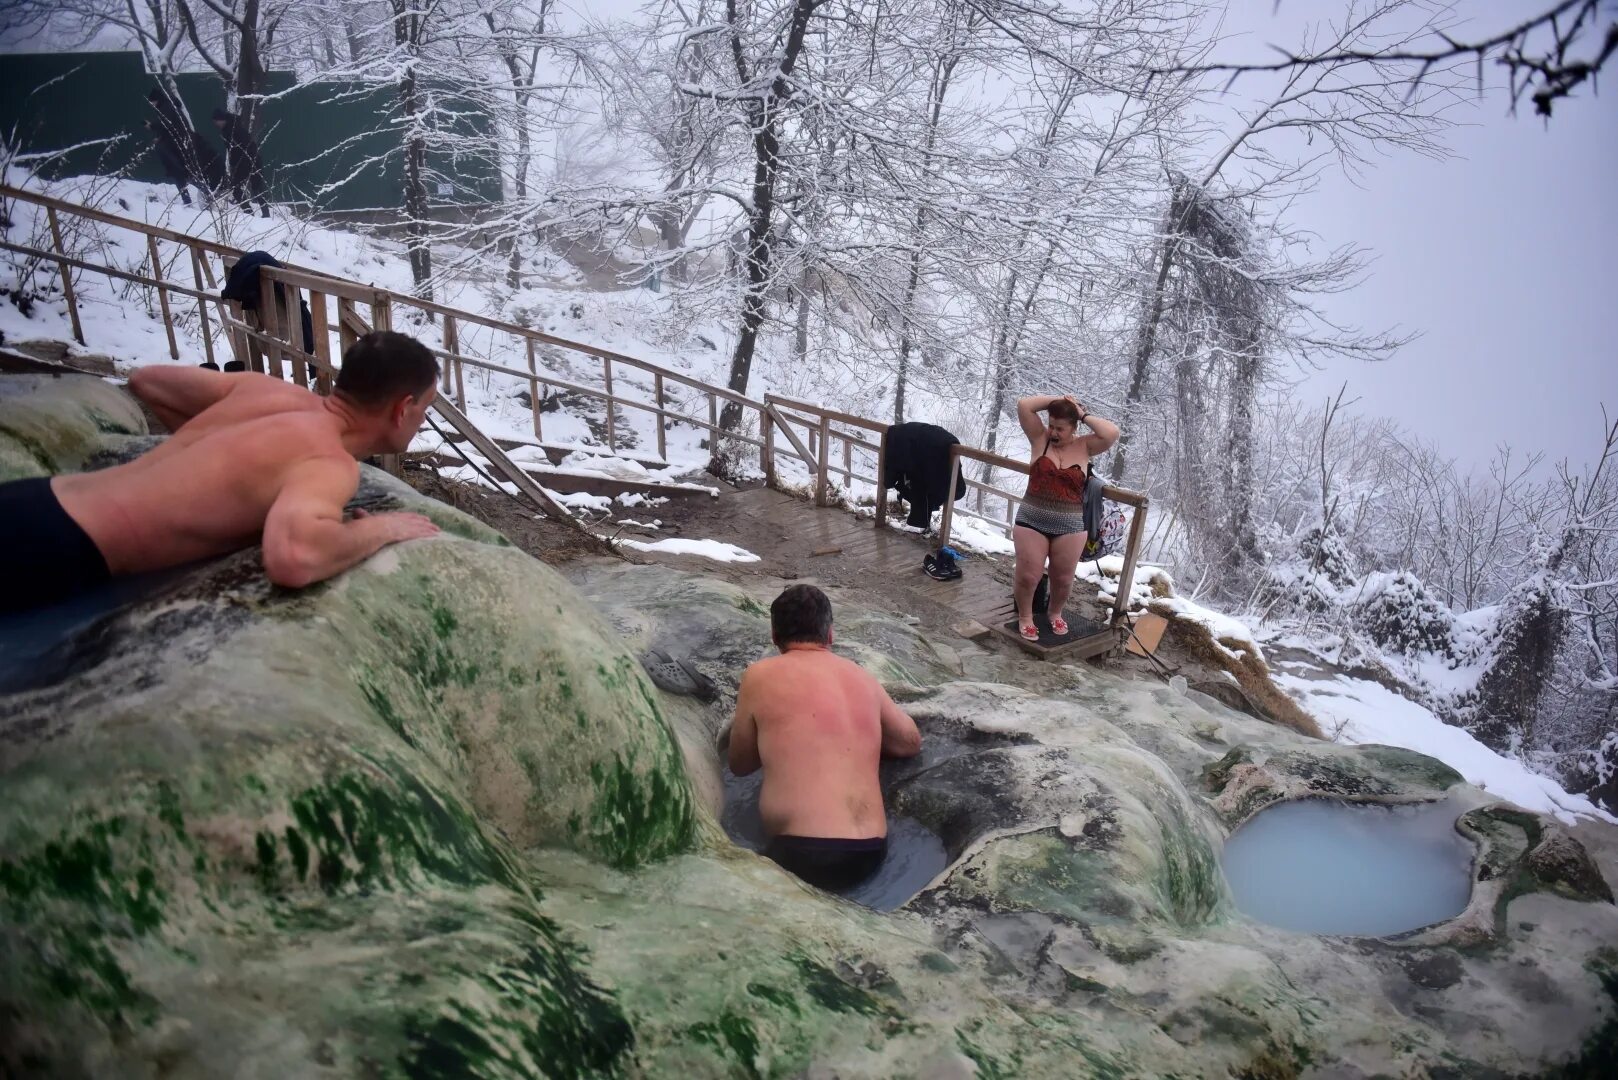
[
  {"x": 381, "y": 310},
  {"x": 67, "y": 276},
  {"x": 269, "y": 321},
  {"x": 828, "y": 414},
  {"x": 766, "y": 427},
  {"x": 162, "y": 297},
  {"x": 662, "y": 427},
  {"x": 533, "y": 390},
  {"x": 445, "y": 378},
  {"x": 792, "y": 437},
  {"x": 948, "y": 516},
  {"x": 1078, "y": 647},
  {"x": 1126, "y": 577},
  {"x": 292, "y": 333},
  {"x": 323, "y": 364},
  {"x": 238, "y": 344},
  {"x": 460, "y": 368},
  {"x": 202, "y": 307},
  {"x": 349, "y": 324},
  {"x": 612, "y": 426},
  {"x": 821, "y": 461},
  {"x": 498, "y": 458}
]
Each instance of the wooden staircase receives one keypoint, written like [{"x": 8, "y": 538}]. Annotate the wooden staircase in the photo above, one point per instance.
[{"x": 828, "y": 456}]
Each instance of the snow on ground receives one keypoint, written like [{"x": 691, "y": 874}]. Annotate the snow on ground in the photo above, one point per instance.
[
  {"x": 1358, "y": 711},
  {"x": 717, "y": 550},
  {"x": 123, "y": 321}
]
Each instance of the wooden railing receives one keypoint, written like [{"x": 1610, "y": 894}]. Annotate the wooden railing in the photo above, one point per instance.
[{"x": 270, "y": 341}]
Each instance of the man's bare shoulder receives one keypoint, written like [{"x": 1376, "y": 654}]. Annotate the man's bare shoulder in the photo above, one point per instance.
[
  {"x": 760, "y": 668},
  {"x": 276, "y": 439},
  {"x": 257, "y": 384},
  {"x": 849, "y": 668}
]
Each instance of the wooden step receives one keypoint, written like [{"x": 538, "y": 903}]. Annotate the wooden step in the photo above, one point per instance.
[{"x": 567, "y": 482}]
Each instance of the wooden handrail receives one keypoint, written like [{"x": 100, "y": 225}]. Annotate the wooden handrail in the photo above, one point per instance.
[
  {"x": 830, "y": 414},
  {"x": 110, "y": 271},
  {"x": 774, "y": 411},
  {"x": 309, "y": 279},
  {"x": 9, "y": 192}
]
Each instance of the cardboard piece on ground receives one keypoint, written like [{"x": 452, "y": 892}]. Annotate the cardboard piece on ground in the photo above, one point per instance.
[
  {"x": 1148, "y": 632},
  {"x": 971, "y": 629}
]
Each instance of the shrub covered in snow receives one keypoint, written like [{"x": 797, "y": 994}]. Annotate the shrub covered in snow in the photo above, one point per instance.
[
  {"x": 1325, "y": 553},
  {"x": 1399, "y": 613}
]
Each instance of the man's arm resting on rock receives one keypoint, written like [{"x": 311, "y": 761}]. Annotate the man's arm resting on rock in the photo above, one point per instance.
[
  {"x": 900, "y": 736},
  {"x": 176, "y": 394},
  {"x": 305, "y": 537},
  {"x": 744, "y": 757}
]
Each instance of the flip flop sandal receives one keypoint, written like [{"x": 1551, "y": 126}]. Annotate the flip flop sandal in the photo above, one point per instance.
[
  {"x": 1029, "y": 633},
  {"x": 1058, "y": 626}
]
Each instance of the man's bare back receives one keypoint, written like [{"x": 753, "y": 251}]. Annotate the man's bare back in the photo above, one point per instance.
[
  {"x": 208, "y": 488},
  {"x": 819, "y": 726},
  {"x": 251, "y": 458}
]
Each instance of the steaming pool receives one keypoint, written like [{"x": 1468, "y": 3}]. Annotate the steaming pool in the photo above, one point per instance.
[{"x": 1327, "y": 867}]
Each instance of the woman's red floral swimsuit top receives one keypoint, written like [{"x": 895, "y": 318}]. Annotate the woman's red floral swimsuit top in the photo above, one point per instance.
[{"x": 1048, "y": 481}]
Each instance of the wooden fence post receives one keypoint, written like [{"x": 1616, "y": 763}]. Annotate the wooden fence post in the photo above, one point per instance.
[
  {"x": 948, "y": 518},
  {"x": 766, "y": 453},
  {"x": 346, "y": 317},
  {"x": 269, "y": 319},
  {"x": 821, "y": 460},
  {"x": 662, "y": 434},
  {"x": 162, "y": 295},
  {"x": 452, "y": 345},
  {"x": 1126, "y": 577},
  {"x": 533, "y": 390},
  {"x": 382, "y": 319},
  {"x": 606, "y": 378},
  {"x": 323, "y": 364},
  {"x": 882, "y": 480},
  {"x": 444, "y": 376},
  {"x": 202, "y": 307},
  {"x": 381, "y": 311},
  {"x": 67, "y": 276}
]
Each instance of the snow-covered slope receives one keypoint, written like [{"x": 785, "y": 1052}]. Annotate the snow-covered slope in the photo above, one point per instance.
[{"x": 123, "y": 321}]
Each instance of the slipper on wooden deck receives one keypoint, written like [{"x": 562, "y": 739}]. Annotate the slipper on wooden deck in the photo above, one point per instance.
[
  {"x": 1058, "y": 626},
  {"x": 1029, "y": 633}
]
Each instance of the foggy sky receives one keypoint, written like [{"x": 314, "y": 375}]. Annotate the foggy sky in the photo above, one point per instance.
[{"x": 1504, "y": 257}]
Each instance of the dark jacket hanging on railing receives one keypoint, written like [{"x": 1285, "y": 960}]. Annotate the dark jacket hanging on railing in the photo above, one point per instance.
[
  {"x": 917, "y": 463},
  {"x": 242, "y": 286}
]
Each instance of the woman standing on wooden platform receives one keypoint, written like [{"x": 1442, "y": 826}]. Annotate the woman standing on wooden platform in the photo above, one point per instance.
[{"x": 1050, "y": 521}]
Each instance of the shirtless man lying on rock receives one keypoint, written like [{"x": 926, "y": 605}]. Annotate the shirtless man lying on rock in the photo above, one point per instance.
[
  {"x": 251, "y": 457},
  {"x": 819, "y": 726}
]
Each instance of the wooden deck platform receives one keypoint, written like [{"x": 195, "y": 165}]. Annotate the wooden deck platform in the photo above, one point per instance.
[
  {"x": 1083, "y": 639},
  {"x": 793, "y": 538}
]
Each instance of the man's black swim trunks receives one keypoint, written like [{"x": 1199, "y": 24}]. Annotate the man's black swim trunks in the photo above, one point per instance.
[
  {"x": 49, "y": 557},
  {"x": 828, "y": 863}
]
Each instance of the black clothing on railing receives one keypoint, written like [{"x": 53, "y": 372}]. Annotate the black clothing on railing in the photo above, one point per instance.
[
  {"x": 242, "y": 286},
  {"x": 917, "y": 463}
]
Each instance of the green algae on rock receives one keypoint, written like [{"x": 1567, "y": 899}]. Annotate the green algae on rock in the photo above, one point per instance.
[{"x": 431, "y": 820}]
